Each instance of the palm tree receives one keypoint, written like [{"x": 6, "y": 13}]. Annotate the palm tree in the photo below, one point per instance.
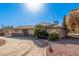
[{"x": 6, "y": 27}]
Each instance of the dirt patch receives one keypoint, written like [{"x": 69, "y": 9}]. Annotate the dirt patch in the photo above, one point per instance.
[
  {"x": 2, "y": 42},
  {"x": 63, "y": 48}
]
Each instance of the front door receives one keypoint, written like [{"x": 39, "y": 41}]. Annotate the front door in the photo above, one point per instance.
[{"x": 25, "y": 32}]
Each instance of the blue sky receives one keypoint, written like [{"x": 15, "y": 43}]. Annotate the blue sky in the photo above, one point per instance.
[{"x": 16, "y": 14}]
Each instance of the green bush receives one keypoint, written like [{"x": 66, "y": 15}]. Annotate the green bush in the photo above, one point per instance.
[
  {"x": 41, "y": 32},
  {"x": 54, "y": 37}
]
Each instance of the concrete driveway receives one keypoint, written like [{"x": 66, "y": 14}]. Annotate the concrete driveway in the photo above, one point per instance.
[{"x": 22, "y": 47}]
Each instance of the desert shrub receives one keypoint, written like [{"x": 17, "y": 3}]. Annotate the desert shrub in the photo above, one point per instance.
[
  {"x": 41, "y": 32},
  {"x": 53, "y": 37},
  {"x": 1, "y": 34}
]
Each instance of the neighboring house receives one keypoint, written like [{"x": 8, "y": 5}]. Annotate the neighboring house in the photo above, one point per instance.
[
  {"x": 29, "y": 30},
  {"x": 6, "y": 32}
]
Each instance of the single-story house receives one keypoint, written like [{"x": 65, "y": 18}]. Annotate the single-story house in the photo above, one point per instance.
[{"x": 29, "y": 30}]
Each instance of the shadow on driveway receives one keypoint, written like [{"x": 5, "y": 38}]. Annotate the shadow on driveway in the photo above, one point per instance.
[{"x": 38, "y": 42}]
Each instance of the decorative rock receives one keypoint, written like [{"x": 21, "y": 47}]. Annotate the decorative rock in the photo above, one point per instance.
[{"x": 50, "y": 49}]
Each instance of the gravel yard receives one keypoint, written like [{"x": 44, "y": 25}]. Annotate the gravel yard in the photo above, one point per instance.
[
  {"x": 67, "y": 47},
  {"x": 21, "y": 47},
  {"x": 32, "y": 47}
]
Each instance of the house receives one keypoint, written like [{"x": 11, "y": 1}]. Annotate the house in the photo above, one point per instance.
[
  {"x": 23, "y": 31},
  {"x": 29, "y": 30}
]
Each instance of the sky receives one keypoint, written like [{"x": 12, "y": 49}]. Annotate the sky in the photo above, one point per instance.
[{"x": 17, "y": 14}]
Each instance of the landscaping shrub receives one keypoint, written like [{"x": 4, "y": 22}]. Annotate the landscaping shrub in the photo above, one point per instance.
[
  {"x": 53, "y": 37},
  {"x": 41, "y": 32},
  {"x": 1, "y": 34}
]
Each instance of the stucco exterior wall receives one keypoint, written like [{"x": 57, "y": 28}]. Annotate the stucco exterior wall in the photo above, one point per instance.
[
  {"x": 31, "y": 32},
  {"x": 61, "y": 33},
  {"x": 20, "y": 32},
  {"x": 49, "y": 31},
  {"x": 17, "y": 33}
]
